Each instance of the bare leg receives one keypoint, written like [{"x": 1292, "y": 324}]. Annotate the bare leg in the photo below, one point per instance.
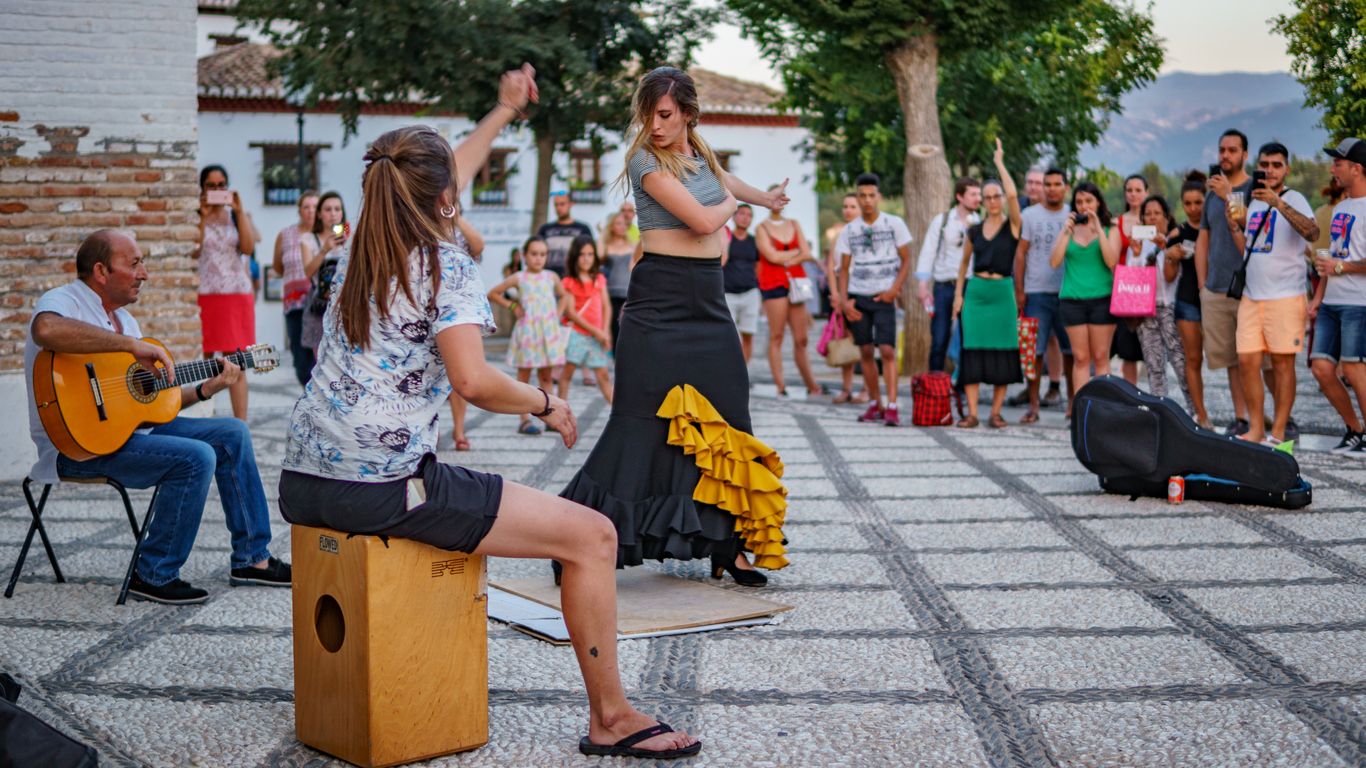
[
  {"x": 889, "y": 370},
  {"x": 604, "y": 384},
  {"x": 1033, "y": 386},
  {"x": 535, "y": 524},
  {"x": 1192, "y": 341},
  {"x": 869, "y": 366},
  {"x": 1100, "y": 338},
  {"x": 566, "y": 378},
  {"x": 799, "y": 320},
  {"x": 1235, "y": 387},
  {"x": 970, "y": 393},
  {"x": 1080, "y": 341},
  {"x": 998, "y": 399},
  {"x": 1356, "y": 375},
  {"x": 1338, "y": 396},
  {"x": 776, "y": 312},
  {"x": 1282, "y": 392},
  {"x": 747, "y": 346},
  {"x": 1253, "y": 395},
  {"x": 458, "y": 408},
  {"x": 1129, "y": 369}
]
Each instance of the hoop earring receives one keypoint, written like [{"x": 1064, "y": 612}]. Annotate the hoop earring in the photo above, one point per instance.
[{"x": 448, "y": 211}]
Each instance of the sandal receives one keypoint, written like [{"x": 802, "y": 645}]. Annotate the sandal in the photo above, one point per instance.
[
  {"x": 843, "y": 397},
  {"x": 997, "y": 421},
  {"x": 1030, "y": 417},
  {"x": 626, "y": 747},
  {"x": 528, "y": 428},
  {"x": 968, "y": 422}
]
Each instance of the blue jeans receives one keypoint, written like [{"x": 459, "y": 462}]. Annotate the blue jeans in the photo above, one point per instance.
[
  {"x": 1044, "y": 307},
  {"x": 303, "y": 356},
  {"x": 181, "y": 457},
  {"x": 942, "y": 323}
]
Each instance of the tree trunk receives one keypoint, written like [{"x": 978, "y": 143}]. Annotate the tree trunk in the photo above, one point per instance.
[
  {"x": 545, "y": 170},
  {"x": 927, "y": 185}
]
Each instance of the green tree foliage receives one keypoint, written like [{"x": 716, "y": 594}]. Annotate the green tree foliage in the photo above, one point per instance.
[
  {"x": 1327, "y": 43},
  {"x": 1047, "y": 91},
  {"x": 449, "y": 54}
]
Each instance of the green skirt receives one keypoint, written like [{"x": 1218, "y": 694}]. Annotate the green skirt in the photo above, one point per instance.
[{"x": 989, "y": 316}]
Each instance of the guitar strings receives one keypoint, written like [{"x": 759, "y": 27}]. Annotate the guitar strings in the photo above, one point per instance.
[{"x": 194, "y": 368}]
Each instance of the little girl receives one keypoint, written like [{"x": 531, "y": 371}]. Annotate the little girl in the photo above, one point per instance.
[
  {"x": 586, "y": 307},
  {"x": 1158, "y": 336},
  {"x": 537, "y": 341}
]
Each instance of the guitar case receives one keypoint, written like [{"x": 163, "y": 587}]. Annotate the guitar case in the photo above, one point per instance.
[{"x": 1135, "y": 442}]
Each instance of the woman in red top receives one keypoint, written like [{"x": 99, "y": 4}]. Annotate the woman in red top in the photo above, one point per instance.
[
  {"x": 587, "y": 311},
  {"x": 782, "y": 249}
]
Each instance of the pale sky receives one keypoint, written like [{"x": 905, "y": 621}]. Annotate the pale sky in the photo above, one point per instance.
[{"x": 1204, "y": 36}]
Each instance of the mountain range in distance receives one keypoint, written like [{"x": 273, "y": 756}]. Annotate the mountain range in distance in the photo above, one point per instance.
[{"x": 1176, "y": 120}]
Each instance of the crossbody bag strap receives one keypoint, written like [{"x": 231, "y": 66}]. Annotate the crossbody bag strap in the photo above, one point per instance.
[{"x": 1261, "y": 225}]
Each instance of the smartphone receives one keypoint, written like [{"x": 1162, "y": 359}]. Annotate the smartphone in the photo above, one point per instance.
[
  {"x": 338, "y": 229},
  {"x": 1081, "y": 218},
  {"x": 1215, "y": 170},
  {"x": 1144, "y": 232},
  {"x": 218, "y": 197},
  {"x": 1259, "y": 179}
]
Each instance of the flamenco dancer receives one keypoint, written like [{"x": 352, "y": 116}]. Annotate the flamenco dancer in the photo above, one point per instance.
[
  {"x": 404, "y": 328},
  {"x": 677, "y": 469}
]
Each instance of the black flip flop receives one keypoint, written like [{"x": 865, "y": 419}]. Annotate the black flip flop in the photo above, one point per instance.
[{"x": 626, "y": 747}]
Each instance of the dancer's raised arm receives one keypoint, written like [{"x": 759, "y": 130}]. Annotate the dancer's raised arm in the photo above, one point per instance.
[{"x": 516, "y": 88}]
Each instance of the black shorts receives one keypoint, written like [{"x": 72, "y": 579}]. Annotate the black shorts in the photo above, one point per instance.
[
  {"x": 774, "y": 293},
  {"x": 460, "y": 508},
  {"x": 878, "y": 324},
  {"x": 1085, "y": 312}
]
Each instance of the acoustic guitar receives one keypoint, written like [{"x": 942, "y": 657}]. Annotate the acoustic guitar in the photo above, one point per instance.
[{"x": 91, "y": 404}]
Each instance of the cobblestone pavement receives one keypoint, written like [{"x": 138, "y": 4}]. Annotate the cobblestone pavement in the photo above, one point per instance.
[{"x": 962, "y": 598}]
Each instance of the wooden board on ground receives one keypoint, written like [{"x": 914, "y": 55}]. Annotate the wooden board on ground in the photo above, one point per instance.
[{"x": 649, "y": 602}]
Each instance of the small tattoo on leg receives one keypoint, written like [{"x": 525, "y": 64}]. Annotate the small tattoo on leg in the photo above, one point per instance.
[{"x": 593, "y": 651}]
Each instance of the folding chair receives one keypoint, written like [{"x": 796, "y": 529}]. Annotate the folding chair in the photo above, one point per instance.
[{"x": 37, "y": 526}]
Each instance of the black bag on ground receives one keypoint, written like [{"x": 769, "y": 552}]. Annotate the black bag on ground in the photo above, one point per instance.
[
  {"x": 1136, "y": 441},
  {"x": 25, "y": 740}
]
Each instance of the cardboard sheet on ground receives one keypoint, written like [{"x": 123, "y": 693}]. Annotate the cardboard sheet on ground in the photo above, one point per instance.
[{"x": 649, "y": 604}]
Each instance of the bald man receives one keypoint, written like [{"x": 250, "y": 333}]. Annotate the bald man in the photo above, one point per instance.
[{"x": 89, "y": 315}]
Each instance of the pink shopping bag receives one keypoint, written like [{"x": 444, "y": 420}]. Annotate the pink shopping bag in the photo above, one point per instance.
[{"x": 1135, "y": 292}]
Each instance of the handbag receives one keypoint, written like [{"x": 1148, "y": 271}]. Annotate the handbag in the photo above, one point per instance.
[
  {"x": 800, "y": 289},
  {"x": 1135, "y": 292},
  {"x": 836, "y": 343},
  {"x": 1029, "y": 345}
]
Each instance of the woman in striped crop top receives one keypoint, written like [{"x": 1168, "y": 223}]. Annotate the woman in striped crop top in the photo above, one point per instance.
[{"x": 679, "y": 364}]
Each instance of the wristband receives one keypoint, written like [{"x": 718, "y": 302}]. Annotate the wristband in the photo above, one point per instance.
[
  {"x": 548, "y": 410},
  {"x": 199, "y": 392}
]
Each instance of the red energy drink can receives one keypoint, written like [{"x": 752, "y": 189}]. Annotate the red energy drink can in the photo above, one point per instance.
[{"x": 1176, "y": 489}]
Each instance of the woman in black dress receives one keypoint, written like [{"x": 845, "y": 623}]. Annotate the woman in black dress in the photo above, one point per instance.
[{"x": 677, "y": 469}]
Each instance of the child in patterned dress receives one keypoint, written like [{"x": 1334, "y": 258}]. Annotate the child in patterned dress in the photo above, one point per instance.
[
  {"x": 537, "y": 341},
  {"x": 587, "y": 314}
]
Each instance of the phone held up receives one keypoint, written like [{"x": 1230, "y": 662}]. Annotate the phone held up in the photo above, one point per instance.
[
  {"x": 218, "y": 197},
  {"x": 1259, "y": 179},
  {"x": 1215, "y": 170},
  {"x": 1144, "y": 232}
]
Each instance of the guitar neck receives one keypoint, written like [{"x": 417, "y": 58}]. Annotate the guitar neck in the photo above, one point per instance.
[{"x": 200, "y": 370}]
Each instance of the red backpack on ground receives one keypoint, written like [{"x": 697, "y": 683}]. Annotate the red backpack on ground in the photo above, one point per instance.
[{"x": 930, "y": 394}]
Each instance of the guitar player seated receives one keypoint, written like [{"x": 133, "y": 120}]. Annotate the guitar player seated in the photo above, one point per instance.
[{"x": 87, "y": 316}]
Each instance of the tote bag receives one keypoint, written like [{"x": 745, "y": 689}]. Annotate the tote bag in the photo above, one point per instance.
[{"x": 1135, "y": 292}]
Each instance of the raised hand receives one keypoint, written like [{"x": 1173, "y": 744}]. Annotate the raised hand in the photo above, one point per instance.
[
  {"x": 778, "y": 197},
  {"x": 517, "y": 87}
]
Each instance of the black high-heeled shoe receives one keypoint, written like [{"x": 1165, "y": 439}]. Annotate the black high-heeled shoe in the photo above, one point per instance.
[
  {"x": 743, "y": 577},
  {"x": 556, "y": 569}
]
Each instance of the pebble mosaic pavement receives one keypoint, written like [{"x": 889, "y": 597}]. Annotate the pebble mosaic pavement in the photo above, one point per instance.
[{"x": 963, "y": 599}]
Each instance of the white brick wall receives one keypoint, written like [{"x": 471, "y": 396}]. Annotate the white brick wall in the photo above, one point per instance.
[{"x": 125, "y": 69}]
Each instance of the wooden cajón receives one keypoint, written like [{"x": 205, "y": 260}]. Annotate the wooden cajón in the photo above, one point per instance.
[{"x": 390, "y": 648}]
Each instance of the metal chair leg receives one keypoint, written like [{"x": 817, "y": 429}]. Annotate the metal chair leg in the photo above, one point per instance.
[
  {"x": 36, "y": 525},
  {"x": 139, "y": 533},
  {"x": 127, "y": 504}
]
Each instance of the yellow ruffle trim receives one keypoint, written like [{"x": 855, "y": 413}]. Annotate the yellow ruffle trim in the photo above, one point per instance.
[{"x": 740, "y": 474}]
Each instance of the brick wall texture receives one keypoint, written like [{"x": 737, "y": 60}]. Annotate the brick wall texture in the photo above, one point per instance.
[{"x": 98, "y": 129}]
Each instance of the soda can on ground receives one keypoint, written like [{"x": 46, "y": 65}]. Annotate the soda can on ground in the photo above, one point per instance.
[{"x": 1176, "y": 489}]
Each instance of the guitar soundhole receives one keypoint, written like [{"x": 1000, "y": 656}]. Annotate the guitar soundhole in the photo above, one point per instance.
[{"x": 142, "y": 384}]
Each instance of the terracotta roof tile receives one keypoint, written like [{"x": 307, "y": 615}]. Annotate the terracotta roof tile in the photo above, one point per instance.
[{"x": 239, "y": 72}]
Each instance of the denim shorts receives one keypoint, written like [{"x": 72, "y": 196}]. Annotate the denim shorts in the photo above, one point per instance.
[
  {"x": 1187, "y": 311},
  {"x": 1340, "y": 334},
  {"x": 1044, "y": 308}
]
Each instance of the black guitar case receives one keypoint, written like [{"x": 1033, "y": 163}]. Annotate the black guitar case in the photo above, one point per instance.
[{"x": 1135, "y": 442}]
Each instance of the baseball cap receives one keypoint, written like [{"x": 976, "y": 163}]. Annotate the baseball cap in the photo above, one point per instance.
[{"x": 1351, "y": 149}]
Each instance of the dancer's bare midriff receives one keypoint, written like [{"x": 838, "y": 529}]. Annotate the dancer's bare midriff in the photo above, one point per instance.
[{"x": 683, "y": 242}]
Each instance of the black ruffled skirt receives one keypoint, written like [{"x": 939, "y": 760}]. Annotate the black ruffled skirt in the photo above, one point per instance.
[{"x": 675, "y": 330}]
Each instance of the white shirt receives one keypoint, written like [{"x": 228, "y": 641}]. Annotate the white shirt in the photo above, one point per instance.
[
  {"x": 1348, "y": 231},
  {"x": 1277, "y": 269},
  {"x": 1152, "y": 256},
  {"x": 76, "y": 301},
  {"x": 872, "y": 248},
  {"x": 942, "y": 252}
]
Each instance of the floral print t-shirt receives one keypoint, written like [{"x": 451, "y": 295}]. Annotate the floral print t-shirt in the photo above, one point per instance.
[{"x": 371, "y": 415}]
